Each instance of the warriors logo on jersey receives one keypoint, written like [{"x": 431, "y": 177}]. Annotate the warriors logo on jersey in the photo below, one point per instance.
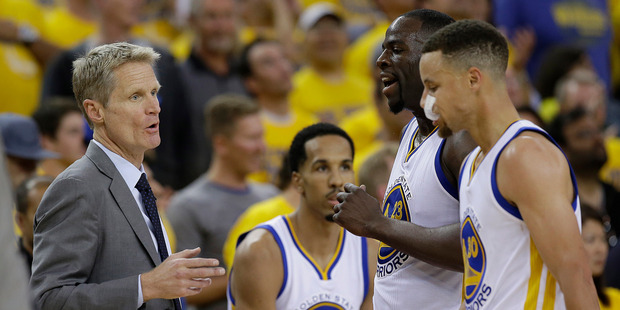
[
  {"x": 326, "y": 306},
  {"x": 474, "y": 258},
  {"x": 395, "y": 207}
]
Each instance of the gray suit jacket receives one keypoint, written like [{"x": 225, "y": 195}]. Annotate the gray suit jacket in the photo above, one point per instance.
[{"x": 91, "y": 241}]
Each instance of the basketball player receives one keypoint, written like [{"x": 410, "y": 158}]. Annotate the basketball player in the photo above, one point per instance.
[
  {"x": 519, "y": 207},
  {"x": 304, "y": 260},
  {"x": 419, "y": 261}
]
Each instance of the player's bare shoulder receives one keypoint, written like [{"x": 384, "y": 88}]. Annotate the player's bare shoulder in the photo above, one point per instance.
[{"x": 258, "y": 246}]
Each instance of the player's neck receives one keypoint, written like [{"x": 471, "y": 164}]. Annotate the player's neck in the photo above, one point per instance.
[
  {"x": 221, "y": 174},
  {"x": 490, "y": 122},
  {"x": 318, "y": 236}
]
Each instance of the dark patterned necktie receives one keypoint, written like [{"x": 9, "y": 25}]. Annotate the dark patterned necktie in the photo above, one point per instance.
[{"x": 148, "y": 200}]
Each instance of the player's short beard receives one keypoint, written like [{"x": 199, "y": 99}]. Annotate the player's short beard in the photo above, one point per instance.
[
  {"x": 329, "y": 218},
  {"x": 444, "y": 131}
]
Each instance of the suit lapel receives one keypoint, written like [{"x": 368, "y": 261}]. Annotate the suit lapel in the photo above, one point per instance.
[{"x": 124, "y": 199}]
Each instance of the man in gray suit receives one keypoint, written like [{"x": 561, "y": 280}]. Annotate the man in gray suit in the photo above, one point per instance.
[{"x": 98, "y": 239}]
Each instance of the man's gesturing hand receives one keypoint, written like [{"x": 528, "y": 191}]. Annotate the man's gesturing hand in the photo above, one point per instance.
[
  {"x": 358, "y": 212},
  {"x": 181, "y": 274}
]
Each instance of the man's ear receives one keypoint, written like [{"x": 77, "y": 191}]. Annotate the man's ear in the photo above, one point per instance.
[
  {"x": 94, "y": 110},
  {"x": 47, "y": 142},
  {"x": 297, "y": 182},
  {"x": 475, "y": 77}
]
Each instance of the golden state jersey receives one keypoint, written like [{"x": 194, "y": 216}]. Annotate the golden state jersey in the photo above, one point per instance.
[
  {"x": 342, "y": 285},
  {"x": 418, "y": 192},
  {"x": 503, "y": 269}
]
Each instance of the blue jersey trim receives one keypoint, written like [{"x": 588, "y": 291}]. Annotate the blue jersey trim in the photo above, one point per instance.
[
  {"x": 282, "y": 252},
  {"x": 329, "y": 270},
  {"x": 404, "y": 131},
  {"x": 365, "y": 266},
  {"x": 442, "y": 176},
  {"x": 514, "y": 211},
  {"x": 463, "y": 169}
]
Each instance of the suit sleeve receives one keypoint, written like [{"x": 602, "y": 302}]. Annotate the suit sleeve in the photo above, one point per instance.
[{"x": 66, "y": 245}]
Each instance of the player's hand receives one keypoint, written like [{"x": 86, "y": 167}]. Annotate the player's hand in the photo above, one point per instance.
[
  {"x": 181, "y": 274},
  {"x": 358, "y": 211}
]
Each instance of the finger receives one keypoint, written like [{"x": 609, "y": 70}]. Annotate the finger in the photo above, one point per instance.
[
  {"x": 350, "y": 187},
  {"x": 336, "y": 208},
  {"x": 206, "y": 272},
  {"x": 201, "y": 262},
  {"x": 363, "y": 187},
  {"x": 342, "y": 196},
  {"x": 187, "y": 253}
]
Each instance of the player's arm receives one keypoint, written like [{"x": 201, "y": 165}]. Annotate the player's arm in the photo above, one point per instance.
[
  {"x": 373, "y": 248},
  {"x": 361, "y": 214},
  {"x": 543, "y": 194},
  {"x": 258, "y": 273}
]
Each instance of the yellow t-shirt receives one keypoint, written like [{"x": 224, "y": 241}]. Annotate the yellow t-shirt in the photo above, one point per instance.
[
  {"x": 614, "y": 299},
  {"x": 278, "y": 138},
  {"x": 329, "y": 101},
  {"x": 163, "y": 34},
  {"x": 20, "y": 73},
  {"x": 257, "y": 213},
  {"x": 358, "y": 59},
  {"x": 612, "y": 145},
  {"x": 65, "y": 29},
  {"x": 363, "y": 126}
]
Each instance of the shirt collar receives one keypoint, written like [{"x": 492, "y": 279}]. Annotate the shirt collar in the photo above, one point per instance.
[{"x": 128, "y": 171}]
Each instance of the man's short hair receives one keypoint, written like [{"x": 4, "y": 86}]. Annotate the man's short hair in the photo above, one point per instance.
[
  {"x": 431, "y": 20},
  {"x": 49, "y": 115},
  {"x": 22, "y": 191},
  {"x": 223, "y": 111},
  {"x": 471, "y": 43},
  {"x": 93, "y": 74},
  {"x": 297, "y": 152}
]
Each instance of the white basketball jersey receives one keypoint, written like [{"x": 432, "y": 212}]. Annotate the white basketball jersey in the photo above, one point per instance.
[
  {"x": 418, "y": 192},
  {"x": 503, "y": 269},
  {"x": 342, "y": 285}
]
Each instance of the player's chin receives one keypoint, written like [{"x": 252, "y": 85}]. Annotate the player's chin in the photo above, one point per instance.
[{"x": 396, "y": 105}]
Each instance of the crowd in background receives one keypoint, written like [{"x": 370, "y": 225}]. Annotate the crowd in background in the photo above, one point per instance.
[{"x": 288, "y": 64}]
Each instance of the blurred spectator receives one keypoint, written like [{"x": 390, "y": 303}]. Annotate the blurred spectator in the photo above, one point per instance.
[
  {"x": 203, "y": 212},
  {"x": 14, "y": 291},
  {"x": 362, "y": 51},
  {"x": 583, "y": 88},
  {"x": 114, "y": 23},
  {"x": 584, "y": 23},
  {"x": 375, "y": 170},
  {"x": 595, "y": 243},
  {"x": 581, "y": 139},
  {"x": 263, "y": 211},
  {"x": 558, "y": 62},
  {"x": 270, "y": 19},
  {"x": 519, "y": 87},
  {"x": 22, "y": 146},
  {"x": 323, "y": 87},
  {"x": 24, "y": 53},
  {"x": 209, "y": 71},
  {"x": 70, "y": 22},
  {"x": 267, "y": 72},
  {"x": 61, "y": 125},
  {"x": 28, "y": 195}
]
